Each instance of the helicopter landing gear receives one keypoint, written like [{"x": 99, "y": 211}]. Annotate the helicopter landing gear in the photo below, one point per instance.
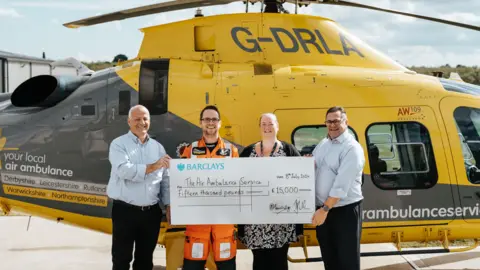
[
  {"x": 396, "y": 237},
  {"x": 4, "y": 208},
  {"x": 446, "y": 243}
]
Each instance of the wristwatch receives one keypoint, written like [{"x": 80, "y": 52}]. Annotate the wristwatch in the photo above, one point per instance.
[{"x": 325, "y": 208}]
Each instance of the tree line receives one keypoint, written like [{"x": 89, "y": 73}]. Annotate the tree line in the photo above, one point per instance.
[{"x": 469, "y": 74}]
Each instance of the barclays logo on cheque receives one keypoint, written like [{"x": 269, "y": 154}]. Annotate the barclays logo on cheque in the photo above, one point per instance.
[{"x": 201, "y": 167}]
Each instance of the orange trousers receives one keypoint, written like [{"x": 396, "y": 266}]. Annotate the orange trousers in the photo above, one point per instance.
[{"x": 200, "y": 238}]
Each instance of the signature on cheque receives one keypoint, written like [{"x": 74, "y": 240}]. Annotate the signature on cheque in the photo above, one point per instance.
[{"x": 296, "y": 207}]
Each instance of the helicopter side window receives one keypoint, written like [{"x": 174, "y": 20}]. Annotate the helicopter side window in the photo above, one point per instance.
[
  {"x": 124, "y": 100},
  {"x": 153, "y": 92},
  {"x": 401, "y": 156},
  {"x": 87, "y": 110},
  {"x": 306, "y": 138},
  {"x": 468, "y": 127}
]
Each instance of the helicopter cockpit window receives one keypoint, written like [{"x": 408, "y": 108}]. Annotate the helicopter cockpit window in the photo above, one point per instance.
[
  {"x": 306, "y": 138},
  {"x": 468, "y": 129},
  {"x": 401, "y": 156}
]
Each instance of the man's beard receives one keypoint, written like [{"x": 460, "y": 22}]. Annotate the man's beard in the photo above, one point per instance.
[{"x": 210, "y": 132}]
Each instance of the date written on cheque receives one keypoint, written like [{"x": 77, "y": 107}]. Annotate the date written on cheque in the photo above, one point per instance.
[{"x": 293, "y": 176}]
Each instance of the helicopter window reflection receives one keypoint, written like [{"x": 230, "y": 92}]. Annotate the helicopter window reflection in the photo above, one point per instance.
[
  {"x": 468, "y": 129},
  {"x": 401, "y": 156}
]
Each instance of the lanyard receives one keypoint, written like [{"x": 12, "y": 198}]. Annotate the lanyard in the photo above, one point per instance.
[{"x": 273, "y": 149}]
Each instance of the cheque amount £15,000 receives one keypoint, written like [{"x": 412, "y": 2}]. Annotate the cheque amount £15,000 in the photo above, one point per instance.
[{"x": 285, "y": 190}]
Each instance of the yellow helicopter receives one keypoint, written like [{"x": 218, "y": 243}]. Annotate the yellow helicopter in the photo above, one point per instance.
[{"x": 420, "y": 133}]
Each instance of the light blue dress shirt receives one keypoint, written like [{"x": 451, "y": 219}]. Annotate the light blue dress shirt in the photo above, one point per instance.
[
  {"x": 128, "y": 182},
  {"x": 339, "y": 168}
]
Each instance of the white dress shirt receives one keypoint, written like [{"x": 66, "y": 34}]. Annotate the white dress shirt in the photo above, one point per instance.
[{"x": 339, "y": 168}]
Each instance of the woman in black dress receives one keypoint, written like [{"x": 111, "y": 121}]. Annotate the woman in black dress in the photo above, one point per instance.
[{"x": 269, "y": 242}]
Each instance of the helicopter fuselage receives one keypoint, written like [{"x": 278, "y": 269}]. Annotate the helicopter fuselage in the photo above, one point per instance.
[{"x": 418, "y": 132}]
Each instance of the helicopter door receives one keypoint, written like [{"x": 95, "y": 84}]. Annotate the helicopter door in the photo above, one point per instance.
[
  {"x": 152, "y": 93},
  {"x": 405, "y": 179},
  {"x": 462, "y": 121},
  {"x": 119, "y": 100}
]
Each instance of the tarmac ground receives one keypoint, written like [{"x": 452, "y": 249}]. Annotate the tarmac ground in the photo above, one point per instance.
[{"x": 35, "y": 243}]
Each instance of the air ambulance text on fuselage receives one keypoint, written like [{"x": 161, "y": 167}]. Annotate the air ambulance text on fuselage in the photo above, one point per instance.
[{"x": 297, "y": 37}]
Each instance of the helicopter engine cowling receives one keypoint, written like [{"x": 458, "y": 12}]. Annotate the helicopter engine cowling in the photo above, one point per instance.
[{"x": 45, "y": 90}]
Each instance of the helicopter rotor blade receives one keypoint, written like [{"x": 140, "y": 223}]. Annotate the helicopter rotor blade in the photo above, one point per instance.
[
  {"x": 146, "y": 10},
  {"x": 185, "y": 4},
  {"x": 352, "y": 4}
]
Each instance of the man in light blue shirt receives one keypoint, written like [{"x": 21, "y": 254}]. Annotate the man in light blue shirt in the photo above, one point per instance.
[
  {"x": 339, "y": 163},
  {"x": 139, "y": 183}
]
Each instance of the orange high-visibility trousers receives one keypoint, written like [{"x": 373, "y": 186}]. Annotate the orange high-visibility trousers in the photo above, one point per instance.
[
  {"x": 174, "y": 240},
  {"x": 200, "y": 239}
]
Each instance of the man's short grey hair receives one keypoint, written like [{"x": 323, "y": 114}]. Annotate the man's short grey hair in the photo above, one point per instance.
[{"x": 137, "y": 107}]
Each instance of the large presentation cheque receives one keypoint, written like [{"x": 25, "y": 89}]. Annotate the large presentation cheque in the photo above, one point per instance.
[{"x": 242, "y": 190}]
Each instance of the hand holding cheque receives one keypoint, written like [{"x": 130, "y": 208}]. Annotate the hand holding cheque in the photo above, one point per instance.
[{"x": 277, "y": 190}]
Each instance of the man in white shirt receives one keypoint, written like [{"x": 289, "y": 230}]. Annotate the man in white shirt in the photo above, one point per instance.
[
  {"x": 138, "y": 185},
  {"x": 339, "y": 163}
]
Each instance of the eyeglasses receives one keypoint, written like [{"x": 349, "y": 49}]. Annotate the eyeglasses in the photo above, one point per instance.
[
  {"x": 333, "y": 122},
  {"x": 213, "y": 120}
]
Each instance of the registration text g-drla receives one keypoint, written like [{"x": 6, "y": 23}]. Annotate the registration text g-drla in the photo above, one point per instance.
[{"x": 297, "y": 37}]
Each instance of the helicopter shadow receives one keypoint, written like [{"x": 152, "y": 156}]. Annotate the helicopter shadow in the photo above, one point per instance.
[{"x": 433, "y": 261}]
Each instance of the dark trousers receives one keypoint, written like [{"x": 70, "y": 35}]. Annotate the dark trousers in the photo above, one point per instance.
[
  {"x": 271, "y": 258},
  {"x": 339, "y": 237},
  {"x": 200, "y": 265},
  {"x": 134, "y": 227}
]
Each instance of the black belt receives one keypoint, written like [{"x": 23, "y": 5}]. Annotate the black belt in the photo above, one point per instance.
[
  {"x": 353, "y": 204},
  {"x": 142, "y": 208}
]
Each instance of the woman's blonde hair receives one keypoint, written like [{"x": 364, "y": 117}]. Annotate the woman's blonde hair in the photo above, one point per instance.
[{"x": 273, "y": 116}]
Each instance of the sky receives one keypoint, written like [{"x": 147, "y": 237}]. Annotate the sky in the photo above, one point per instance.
[{"x": 31, "y": 27}]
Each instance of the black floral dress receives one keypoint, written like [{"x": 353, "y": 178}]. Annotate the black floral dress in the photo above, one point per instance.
[{"x": 265, "y": 236}]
